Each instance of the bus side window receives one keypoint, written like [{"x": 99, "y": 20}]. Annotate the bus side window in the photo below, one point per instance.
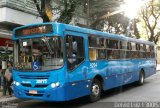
[
  {"x": 92, "y": 54},
  {"x": 75, "y": 51}
]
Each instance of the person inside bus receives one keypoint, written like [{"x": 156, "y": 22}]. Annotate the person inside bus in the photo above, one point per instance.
[{"x": 71, "y": 58}]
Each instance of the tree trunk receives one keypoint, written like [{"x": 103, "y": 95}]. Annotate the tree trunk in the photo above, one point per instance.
[{"x": 43, "y": 10}]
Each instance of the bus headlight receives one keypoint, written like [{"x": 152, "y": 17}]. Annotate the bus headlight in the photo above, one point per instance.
[
  {"x": 57, "y": 84},
  {"x": 53, "y": 85},
  {"x": 16, "y": 83}
]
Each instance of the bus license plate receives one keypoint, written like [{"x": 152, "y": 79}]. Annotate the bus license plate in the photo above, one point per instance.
[{"x": 32, "y": 91}]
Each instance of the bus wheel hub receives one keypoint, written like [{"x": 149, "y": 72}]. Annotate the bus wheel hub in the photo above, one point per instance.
[{"x": 95, "y": 90}]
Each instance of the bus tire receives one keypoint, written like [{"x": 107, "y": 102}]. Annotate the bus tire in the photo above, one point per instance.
[
  {"x": 96, "y": 89},
  {"x": 141, "y": 78}
]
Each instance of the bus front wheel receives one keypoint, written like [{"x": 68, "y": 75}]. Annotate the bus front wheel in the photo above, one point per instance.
[{"x": 95, "y": 91}]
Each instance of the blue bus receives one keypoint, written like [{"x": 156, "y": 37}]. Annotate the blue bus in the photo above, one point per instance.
[{"x": 60, "y": 62}]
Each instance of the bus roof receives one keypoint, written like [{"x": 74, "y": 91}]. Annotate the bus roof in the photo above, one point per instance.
[
  {"x": 90, "y": 32},
  {"x": 105, "y": 34}
]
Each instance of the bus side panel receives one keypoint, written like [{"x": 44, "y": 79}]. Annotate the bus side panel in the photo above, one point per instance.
[
  {"x": 114, "y": 74},
  {"x": 77, "y": 89},
  {"x": 111, "y": 71},
  {"x": 78, "y": 85},
  {"x": 132, "y": 72},
  {"x": 97, "y": 68},
  {"x": 150, "y": 67},
  {"x": 147, "y": 68},
  {"x": 121, "y": 72}
]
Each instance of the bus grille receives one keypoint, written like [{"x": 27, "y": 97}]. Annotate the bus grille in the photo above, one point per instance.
[
  {"x": 34, "y": 76},
  {"x": 36, "y": 86},
  {"x": 37, "y": 95}
]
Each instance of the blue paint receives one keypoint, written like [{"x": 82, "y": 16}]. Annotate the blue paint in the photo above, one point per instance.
[{"x": 76, "y": 83}]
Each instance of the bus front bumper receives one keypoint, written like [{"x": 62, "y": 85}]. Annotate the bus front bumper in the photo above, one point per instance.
[{"x": 56, "y": 94}]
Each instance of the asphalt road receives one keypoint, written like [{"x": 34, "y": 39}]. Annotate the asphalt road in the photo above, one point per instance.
[{"x": 147, "y": 95}]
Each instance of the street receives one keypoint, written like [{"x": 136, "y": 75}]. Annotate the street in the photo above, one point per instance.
[{"x": 149, "y": 92}]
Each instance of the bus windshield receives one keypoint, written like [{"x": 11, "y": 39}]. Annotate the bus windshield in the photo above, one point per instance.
[{"x": 38, "y": 54}]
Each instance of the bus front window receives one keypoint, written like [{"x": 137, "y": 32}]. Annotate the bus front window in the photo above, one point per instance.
[{"x": 38, "y": 54}]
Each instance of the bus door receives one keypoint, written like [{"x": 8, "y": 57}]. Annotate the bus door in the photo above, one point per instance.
[{"x": 76, "y": 65}]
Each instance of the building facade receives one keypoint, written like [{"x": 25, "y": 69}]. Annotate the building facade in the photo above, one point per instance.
[{"x": 14, "y": 13}]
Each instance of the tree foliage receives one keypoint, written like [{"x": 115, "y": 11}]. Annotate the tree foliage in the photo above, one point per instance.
[
  {"x": 114, "y": 24},
  {"x": 68, "y": 11},
  {"x": 150, "y": 16},
  {"x": 65, "y": 9},
  {"x": 4, "y": 57},
  {"x": 117, "y": 23}
]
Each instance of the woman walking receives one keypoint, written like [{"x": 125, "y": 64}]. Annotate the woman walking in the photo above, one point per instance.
[{"x": 8, "y": 75}]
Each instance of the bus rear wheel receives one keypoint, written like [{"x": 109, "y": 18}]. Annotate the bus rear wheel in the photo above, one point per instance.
[
  {"x": 141, "y": 78},
  {"x": 95, "y": 91}
]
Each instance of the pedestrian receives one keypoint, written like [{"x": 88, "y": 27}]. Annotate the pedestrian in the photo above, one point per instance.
[
  {"x": 4, "y": 82},
  {"x": 0, "y": 76},
  {"x": 9, "y": 79}
]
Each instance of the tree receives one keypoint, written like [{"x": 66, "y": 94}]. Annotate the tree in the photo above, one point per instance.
[
  {"x": 114, "y": 24},
  {"x": 41, "y": 7},
  {"x": 150, "y": 16},
  {"x": 117, "y": 23},
  {"x": 4, "y": 55},
  {"x": 67, "y": 13},
  {"x": 134, "y": 31},
  {"x": 65, "y": 9}
]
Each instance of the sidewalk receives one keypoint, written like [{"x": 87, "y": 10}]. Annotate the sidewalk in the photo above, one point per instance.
[{"x": 7, "y": 98}]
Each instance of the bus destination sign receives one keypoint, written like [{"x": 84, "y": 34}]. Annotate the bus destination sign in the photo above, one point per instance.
[{"x": 32, "y": 30}]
